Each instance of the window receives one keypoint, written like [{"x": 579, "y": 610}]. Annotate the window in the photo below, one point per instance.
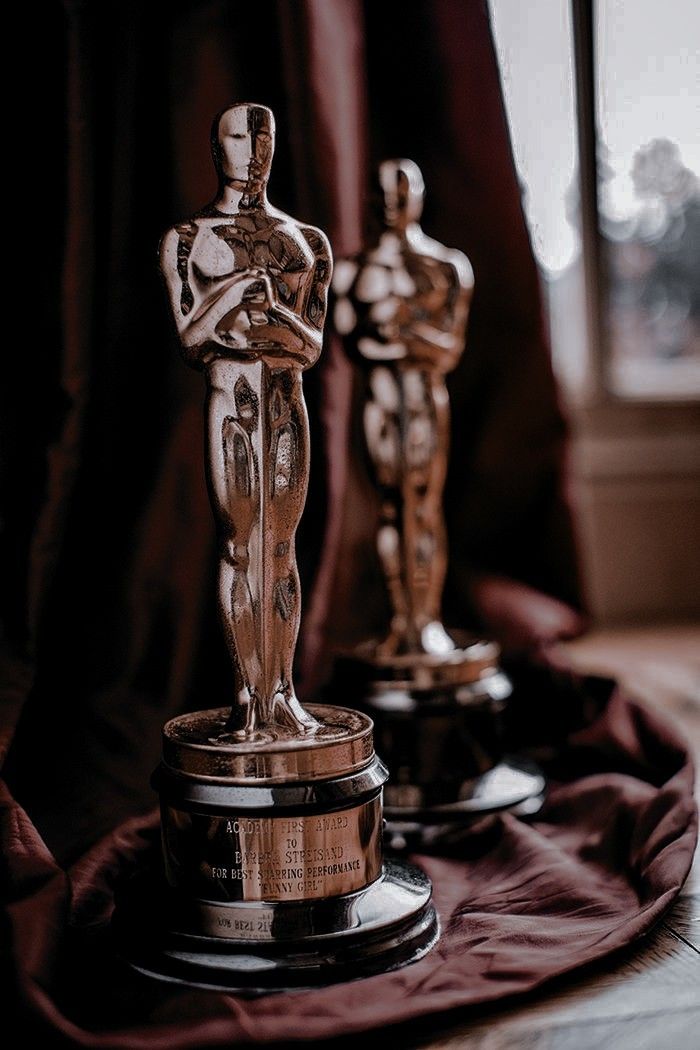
[
  {"x": 614, "y": 210},
  {"x": 647, "y": 65},
  {"x": 602, "y": 101}
]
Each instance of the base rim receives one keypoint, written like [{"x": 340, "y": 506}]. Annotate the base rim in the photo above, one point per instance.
[
  {"x": 258, "y": 968},
  {"x": 509, "y": 786}
]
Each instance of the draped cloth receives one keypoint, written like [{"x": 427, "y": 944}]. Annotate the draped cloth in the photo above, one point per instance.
[
  {"x": 108, "y": 558},
  {"x": 519, "y": 902}
]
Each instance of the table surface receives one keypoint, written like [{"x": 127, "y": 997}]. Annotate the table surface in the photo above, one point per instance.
[{"x": 650, "y": 999}]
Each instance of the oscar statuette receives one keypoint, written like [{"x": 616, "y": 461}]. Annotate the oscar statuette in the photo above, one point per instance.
[
  {"x": 271, "y": 812},
  {"x": 435, "y": 696}
]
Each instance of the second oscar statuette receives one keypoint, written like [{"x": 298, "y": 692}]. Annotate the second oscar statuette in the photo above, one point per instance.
[{"x": 436, "y": 696}]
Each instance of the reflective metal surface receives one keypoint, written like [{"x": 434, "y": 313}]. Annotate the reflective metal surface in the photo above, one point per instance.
[
  {"x": 472, "y": 662},
  {"x": 511, "y": 783},
  {"x": 402, "y": 308},
  {"x": 271, "y": 815},
  {"x": 255, "y": 948},
  {"x": 435, "y": 697},
  {"x": 248, "y": 287},
  {"x": 199, "y": 744},
  {"x": 267, "y": 822},
  {"x": 273, "y": 858},
  {"x": 442, "y": 737}
]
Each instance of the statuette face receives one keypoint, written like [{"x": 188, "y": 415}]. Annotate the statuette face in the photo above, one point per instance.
[
  {"x": 402, "y": 307},
  {"x": 248, "y": 287},
  {"x": 244, "y": 144}
]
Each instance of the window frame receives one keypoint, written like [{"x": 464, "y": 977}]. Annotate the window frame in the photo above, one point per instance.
[{"x": 600, "y": 390}]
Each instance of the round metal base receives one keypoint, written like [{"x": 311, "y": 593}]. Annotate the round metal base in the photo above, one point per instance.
[
  {"x": 442, "y": 743},
  {"x": 470, "y": 672},
  {"x": 514, "y": 785},
  {"x": 510, "y": 784},
  {"x": 261, "y": 947}
]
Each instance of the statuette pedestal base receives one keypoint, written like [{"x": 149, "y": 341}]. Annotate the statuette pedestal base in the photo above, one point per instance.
[
  {"x": 262, "y": 948},
  {"x": 272, "y": 848},
  {"x": 437, "y": 721}
]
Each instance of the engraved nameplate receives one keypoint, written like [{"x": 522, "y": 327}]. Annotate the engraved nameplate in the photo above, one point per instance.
[{"x": 279, "y": 858}]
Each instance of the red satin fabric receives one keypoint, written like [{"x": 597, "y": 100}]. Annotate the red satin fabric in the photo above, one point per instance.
[{"x": 519, "y": 902}]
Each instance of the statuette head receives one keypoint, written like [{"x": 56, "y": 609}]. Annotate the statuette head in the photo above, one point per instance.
[
  {"x": 402, "y": 190},
  {"x": 243, "y": 141}
]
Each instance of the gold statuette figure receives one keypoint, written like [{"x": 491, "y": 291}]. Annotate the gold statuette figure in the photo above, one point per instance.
[
  {"x": 248, "y": 289},
  {"x": 271, "y": 813},
  {"x": 401, "y": 306}
]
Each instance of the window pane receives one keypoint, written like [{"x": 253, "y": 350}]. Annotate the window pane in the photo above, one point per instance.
[
  {"x": 648, "y": 72},
  {"x": 534, "y": 46}
]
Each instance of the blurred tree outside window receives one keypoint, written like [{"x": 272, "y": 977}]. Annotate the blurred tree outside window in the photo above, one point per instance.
[{"x": 646, "y": 91}]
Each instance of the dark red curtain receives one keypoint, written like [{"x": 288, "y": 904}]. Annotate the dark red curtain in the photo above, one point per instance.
[{"x": 108, "y": 548}]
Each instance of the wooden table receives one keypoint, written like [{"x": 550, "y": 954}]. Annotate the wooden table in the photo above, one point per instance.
[{"x": 650, "y": 999}]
